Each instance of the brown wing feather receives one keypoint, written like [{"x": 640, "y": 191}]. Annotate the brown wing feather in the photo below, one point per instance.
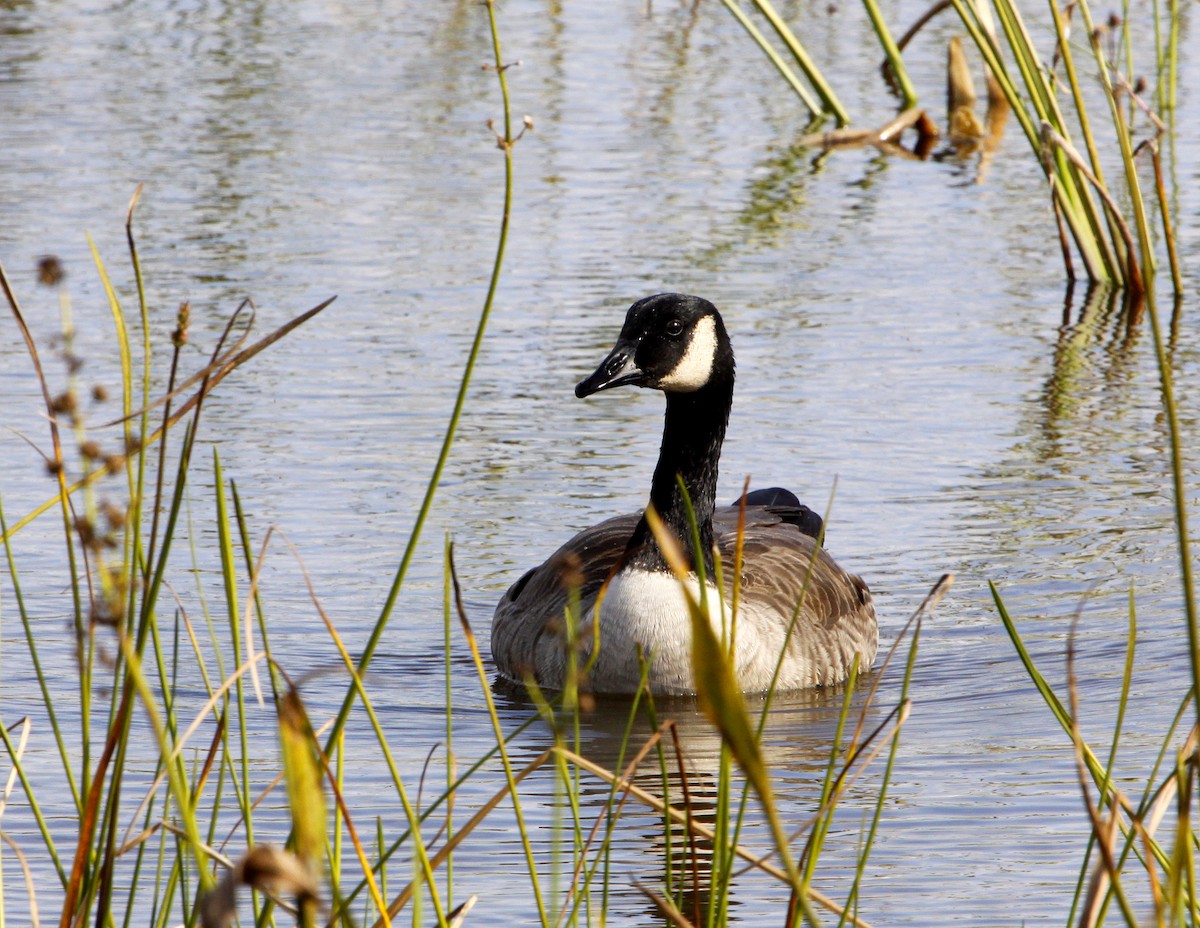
[
  {"x": 835, "y": 623},
  {"x": 529, "y": 615},
  {"x": 781, "y": 566}
]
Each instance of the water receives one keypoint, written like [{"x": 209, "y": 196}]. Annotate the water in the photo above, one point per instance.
[{"x": 899, "y": 330}]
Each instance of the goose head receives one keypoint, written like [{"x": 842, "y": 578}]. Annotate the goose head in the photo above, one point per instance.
[{"x": 670, "y": 342}]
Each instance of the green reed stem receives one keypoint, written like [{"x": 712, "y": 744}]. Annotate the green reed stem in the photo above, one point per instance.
[
  {"x": 1179, "y": 491},
  {"x": 43, "y": 684},
  {"x": 341, "y": 909},
  {"x": 414, "y": 820},
  {"x": 892, "y": 51},
  {"x": 886, "y": 779},
  {"x": 241, "y": 784},
  {"x": 34, "y": 806},
  {"x": 807, "y": 65},
  {"x": 820, "y": 829},
  {"x": 184, "y": 800},
  {"x": 809, "y": 101},
  {"x": 505, "y": 142},
  {"x": 501, "y": 744},
  {"x": 451, "y": 764}
]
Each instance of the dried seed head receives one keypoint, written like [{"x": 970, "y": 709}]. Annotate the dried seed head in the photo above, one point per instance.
[
  {"x": 114, "y": 514},
  {"x": 109, "y": 607},
  {"x": 1139, "y": 86},
  {"x": 133, "y": 444},
  {"x": 99, "y": 393},
  {"x": 1114, "y": 21},
  {"x": 86, "y": 531},
  {"x": 91, "y": 450},
  {"x": 54, "y": 468},
  {"x": 180, "y": 336},
  {"x": 64, "y": 402},
  {"x": 114, "y": 462},
  {"x": 50, "y": 271}
]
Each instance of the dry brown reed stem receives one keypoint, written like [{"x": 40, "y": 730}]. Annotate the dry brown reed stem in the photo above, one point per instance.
[
  {"x": 35, "y": 359},
  {"x": 693, "y": 851},
  {"x": 449, "y": 819},
  {"x": 221, "y": 366},
  {"x": 666, "y": 908},
  {"x": 630, "y": 770},
  {"x": 18, "y": 754},
  {"x": 209, "y": 376},
  {"x": 885, "y": 135},
  {"x": 348, "y": 821},
  {"x": 463, "y": 831},
  {"x": 1106, "y": 874},
  {"x": 247, "y": 624},
  {"x": 1151, "y": 145},
  {"x": 938, "y": 7},
  {"x": 939, "y": 589},
  {"x": 209, "y": 761},
  {"x": 681, "y": 818},
  {"x": 34, "y": 918},
  {"x": 330, "y": 774},
  {"x": 844, "y": 780},
  {"x": 1051, "y": 137},
  {"x": 177, "y": 340},
  {"x": 87, "y": 825},
  {"x": 217, "y": 695},
  {"x": 459, "y": 915}
]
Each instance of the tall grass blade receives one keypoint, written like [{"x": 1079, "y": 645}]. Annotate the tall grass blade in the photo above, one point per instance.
[
  {"x": 302, "y": 770},
  {"x": 810, "y": 102},
  {"x": 720, "y": 697},
  {"x": 505, "y": 141}
]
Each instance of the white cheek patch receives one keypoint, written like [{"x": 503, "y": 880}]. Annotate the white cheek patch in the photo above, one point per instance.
[{"x": 695, "y": 367}]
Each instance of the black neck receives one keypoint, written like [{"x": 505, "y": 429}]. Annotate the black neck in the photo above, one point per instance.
[{"x": 691, "y": 449}]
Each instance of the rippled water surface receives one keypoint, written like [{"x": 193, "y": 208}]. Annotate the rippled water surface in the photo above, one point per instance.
[{"x": 904, "y": 345}]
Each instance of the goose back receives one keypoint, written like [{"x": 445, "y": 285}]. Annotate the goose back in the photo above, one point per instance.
[{"x": 783, "y": 566}]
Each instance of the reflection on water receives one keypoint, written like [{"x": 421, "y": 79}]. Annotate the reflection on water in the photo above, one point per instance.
[
  {"x": 903, "y": 350},
  {"x": 671, "y": 752}
]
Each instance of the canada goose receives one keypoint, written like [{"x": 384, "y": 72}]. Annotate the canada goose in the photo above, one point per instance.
[{"x": 678, "y": 344}]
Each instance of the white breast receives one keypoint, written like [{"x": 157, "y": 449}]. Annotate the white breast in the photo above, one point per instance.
[{"x": 648, "y": 609}]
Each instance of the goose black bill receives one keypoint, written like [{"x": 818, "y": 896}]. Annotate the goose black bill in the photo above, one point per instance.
[{"x": 618, "y": 369}]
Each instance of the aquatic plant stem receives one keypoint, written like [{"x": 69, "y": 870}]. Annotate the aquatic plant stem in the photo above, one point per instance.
[
  {"x": 506, "y": 761},
  {"x": 1179, "y": 491},
  {"x": 505, "y": 142},
  {"x": 895, "y": 59},
  {"x": 809, "y": 101}
]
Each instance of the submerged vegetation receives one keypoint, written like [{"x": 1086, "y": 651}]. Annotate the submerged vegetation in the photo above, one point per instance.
[{"x": 157, "y": 846}]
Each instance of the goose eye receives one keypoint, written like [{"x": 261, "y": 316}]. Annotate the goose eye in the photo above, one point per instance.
[{"x": 674, "y": 327}]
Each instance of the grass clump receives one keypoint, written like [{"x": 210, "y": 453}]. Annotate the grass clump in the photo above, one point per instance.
[
  {"x": 157, "y": 846},
  {"x": 204, "y": 787},
  {"x": 1115, "y": 227}
]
